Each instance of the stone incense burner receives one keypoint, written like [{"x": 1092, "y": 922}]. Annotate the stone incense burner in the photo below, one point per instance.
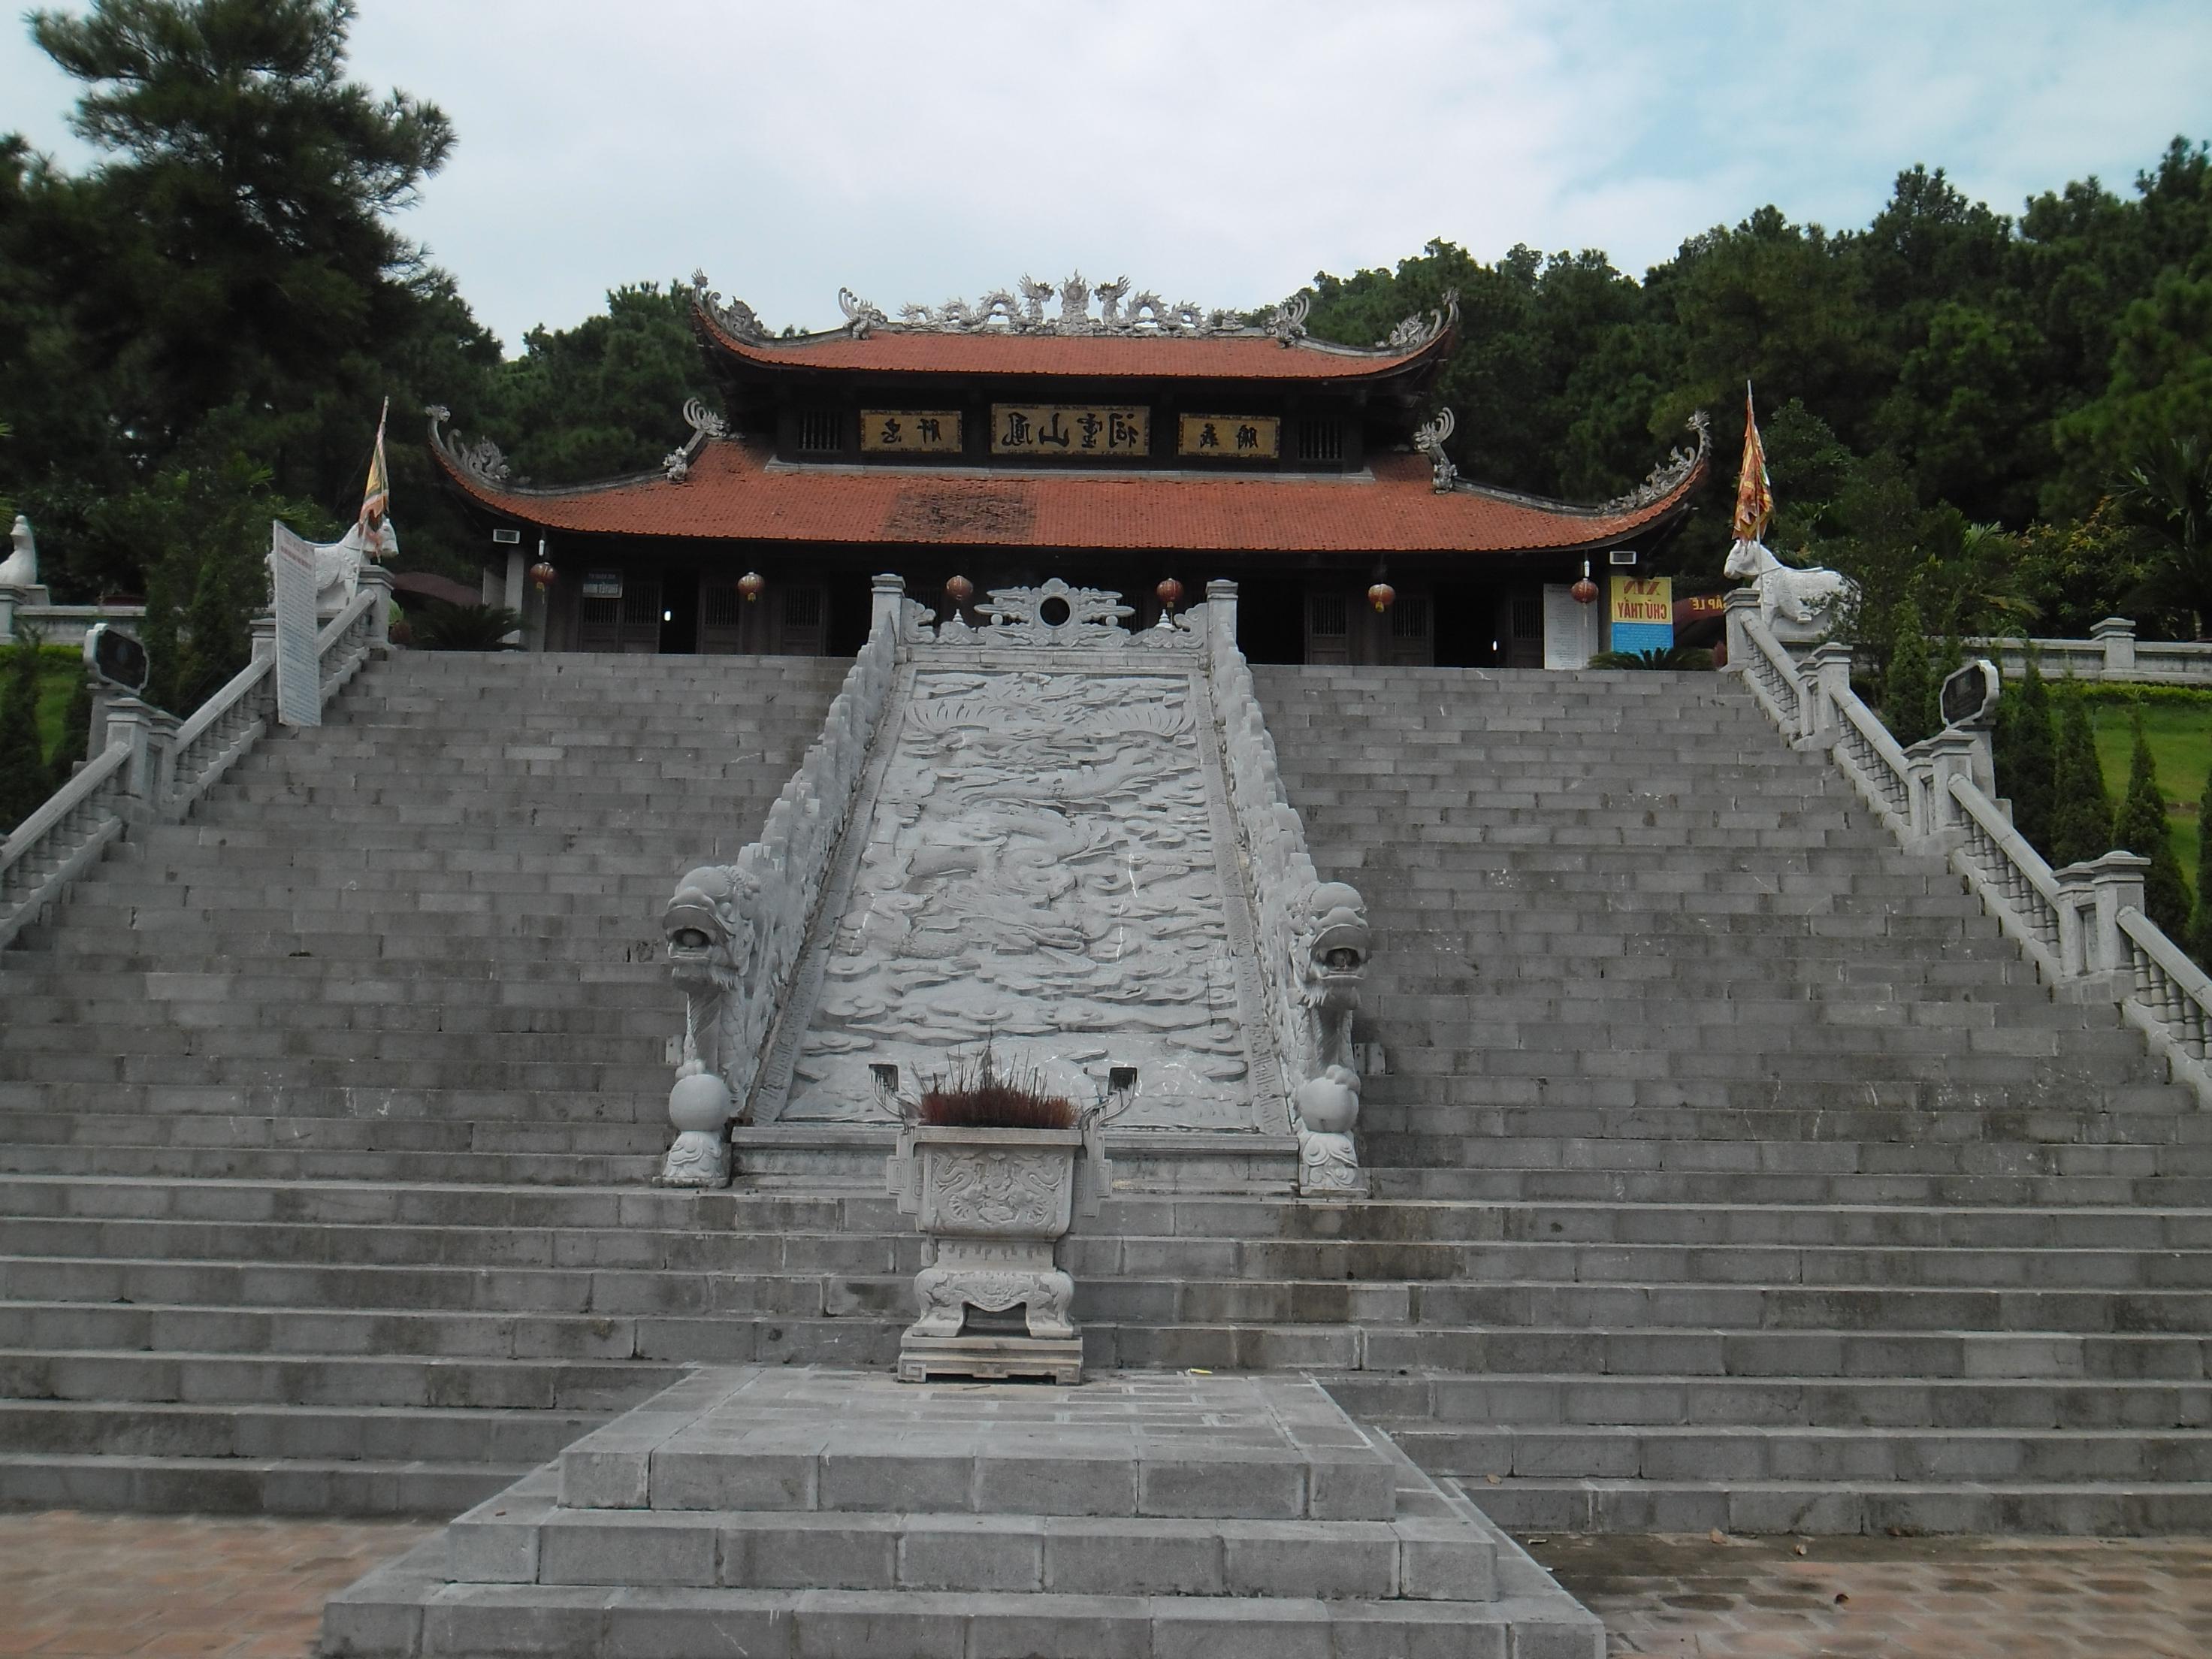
[{"x": 995, "y": 1201}]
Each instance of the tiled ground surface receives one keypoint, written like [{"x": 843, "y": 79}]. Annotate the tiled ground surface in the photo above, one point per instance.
[
  {"x": 1946, "y": 1598},
  {"x": 101, "y": 1586}
]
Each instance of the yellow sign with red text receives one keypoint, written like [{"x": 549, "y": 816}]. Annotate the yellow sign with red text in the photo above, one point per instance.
[{"x": 1642, "y": 613}]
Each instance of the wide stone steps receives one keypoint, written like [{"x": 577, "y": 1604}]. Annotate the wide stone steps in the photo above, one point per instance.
[
  {"x": 2094, "y": 1508},
  {"x": 1749, "y": 1000}
]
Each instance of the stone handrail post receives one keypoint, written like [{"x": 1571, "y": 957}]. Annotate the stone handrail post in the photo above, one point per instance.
[
  {"x": 1935, "y": 761},
  {"x": 1828, "y": 673},
  {"x": 887, "y": 600},
  {"x": 2116, "y": 884},
  {"x": 2117, "y": 634},
  {"x": 2092, "y": 895},
  {"x": 1221, "y": 609},
  {"x": 1741, "y": 604},
  {"x": 131, "y": 722},
  {"x": 375, "y": 579}
]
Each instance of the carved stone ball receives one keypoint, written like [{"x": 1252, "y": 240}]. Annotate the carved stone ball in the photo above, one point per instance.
[
  {"x": 700, "y": 1103},
  {"x": 1328, "y": 1107}
]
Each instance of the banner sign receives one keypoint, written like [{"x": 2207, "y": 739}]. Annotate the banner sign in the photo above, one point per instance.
[
  {"x": 298, "y": 665},
  {"x": 1643, "y": 613},
  {"x": 1230, "y": 437},
  {"x": 926, "y": 431},
  {"x": 1061, "y": 430}
]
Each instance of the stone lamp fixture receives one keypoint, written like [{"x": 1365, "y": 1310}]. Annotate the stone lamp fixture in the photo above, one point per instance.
[{"x": 994, "y": 1203}]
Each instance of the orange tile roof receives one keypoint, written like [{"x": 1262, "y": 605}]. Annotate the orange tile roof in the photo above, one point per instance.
[
  {"x": 891, "y": 350},
  {"x": 735, "y": 493}
]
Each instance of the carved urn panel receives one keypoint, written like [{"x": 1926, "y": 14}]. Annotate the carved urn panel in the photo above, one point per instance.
[{"x": 994, "y": 1201}]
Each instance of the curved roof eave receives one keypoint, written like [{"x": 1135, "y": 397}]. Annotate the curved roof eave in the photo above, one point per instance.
[{"x": 728, "y": 493}]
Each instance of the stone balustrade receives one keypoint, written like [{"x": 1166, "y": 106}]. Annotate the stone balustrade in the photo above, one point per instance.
[{"x": 2084, "y": 926}]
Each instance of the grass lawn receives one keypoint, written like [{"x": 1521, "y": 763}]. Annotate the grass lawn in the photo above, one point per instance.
[{"x": 2179, "y": 732}]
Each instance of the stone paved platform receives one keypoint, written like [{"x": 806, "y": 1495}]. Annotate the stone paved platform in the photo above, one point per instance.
[{"x": 810, "y": 1513}]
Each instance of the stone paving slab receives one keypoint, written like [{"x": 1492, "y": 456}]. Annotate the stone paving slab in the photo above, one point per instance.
[{"x": 1944, "y": 1598}]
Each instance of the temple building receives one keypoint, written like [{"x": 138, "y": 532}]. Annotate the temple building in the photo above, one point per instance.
[{"x": 1112, "y": 440}]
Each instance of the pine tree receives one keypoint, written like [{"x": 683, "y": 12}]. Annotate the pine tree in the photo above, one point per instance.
[
  {"x": 2141, "y": 827},
  {"x": 22, "y": 762},
  {"x": 2026, "y": 750},
  {"x": 2081, "y": 808},
  {"x": 1905, "y": 692}
]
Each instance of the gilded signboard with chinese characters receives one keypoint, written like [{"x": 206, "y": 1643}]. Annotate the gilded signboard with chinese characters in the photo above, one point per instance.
[
  {"x": 1230, "y": 437},
  {"x": 1061, "y": 430},
  {"x": 928, "y": 431}
]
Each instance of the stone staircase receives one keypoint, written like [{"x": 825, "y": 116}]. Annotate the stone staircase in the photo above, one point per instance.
[
  {"x": 1707, "y": 1190},
  {"x": 1777, "y": 1193},
  {"x": 394, "y": 973}
]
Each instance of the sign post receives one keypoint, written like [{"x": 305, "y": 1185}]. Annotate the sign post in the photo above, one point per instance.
[{"x": 298, "y": 665}]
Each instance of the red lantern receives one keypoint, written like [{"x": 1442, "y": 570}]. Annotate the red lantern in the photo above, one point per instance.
[
  {"x": 1381, "y": 596},
  {"x": 750, "y": 584},
  {"x": 1584, "y": 590},
  {"x": 959, "y": 590},
  {"x": 543, "y": 575},
  {"x": 1170, "y": 593}
]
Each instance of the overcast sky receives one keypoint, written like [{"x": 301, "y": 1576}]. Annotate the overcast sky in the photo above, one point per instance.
[{"x": 1219, "y": 153}]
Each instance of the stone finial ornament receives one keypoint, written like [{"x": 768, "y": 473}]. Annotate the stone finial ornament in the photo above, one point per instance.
[
  {"x": 860, "y": 315},
  {"x": 1429, "y": 438}
]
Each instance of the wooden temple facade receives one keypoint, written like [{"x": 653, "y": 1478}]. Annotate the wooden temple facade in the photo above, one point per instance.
[{"x": 1036, "y": 435}]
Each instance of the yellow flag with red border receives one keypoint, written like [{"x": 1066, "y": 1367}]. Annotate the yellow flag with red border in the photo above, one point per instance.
[
  {"x": 1754, "y": 495},
  {"x": 376, "y": 493}
]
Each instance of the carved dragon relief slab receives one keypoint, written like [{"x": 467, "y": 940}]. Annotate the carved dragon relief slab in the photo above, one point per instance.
[{"x": 1040, "y": 868}]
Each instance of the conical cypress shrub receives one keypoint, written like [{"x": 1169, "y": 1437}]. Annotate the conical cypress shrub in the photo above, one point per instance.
[
  {"x": 2142, "y": 828},
  {"x": 22, "y": 761},
  {"x": 2026, "y": 752},
  {"x": 2082, "y": 809},
  {"x": 2200, "y": 926},
  {"x": 1906, "y": 694}
]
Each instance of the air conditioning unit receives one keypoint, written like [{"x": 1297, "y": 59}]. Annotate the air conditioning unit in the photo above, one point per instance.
[
  {"x": 1623, "y": 556},
  {"x": 505, "y": 538}
]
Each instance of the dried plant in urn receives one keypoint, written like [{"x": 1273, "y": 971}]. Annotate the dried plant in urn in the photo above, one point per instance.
[
  {"x": 987, "y": 1164},
  {"x": 977, "y": 1094}
]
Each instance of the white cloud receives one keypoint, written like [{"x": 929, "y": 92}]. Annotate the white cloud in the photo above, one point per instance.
[{"x": 1220, "y": 153}]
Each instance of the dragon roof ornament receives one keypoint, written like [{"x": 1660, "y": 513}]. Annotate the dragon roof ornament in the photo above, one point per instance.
[
  {"x": 734, "y": 315},
  {"x": 705, "y": 424},
  {"x": 1667, "y": 477},
  {"x": 1429, "y": 438},
  {"x": 481, "y": 461},
  {"x": 1418, "y": 330}
]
